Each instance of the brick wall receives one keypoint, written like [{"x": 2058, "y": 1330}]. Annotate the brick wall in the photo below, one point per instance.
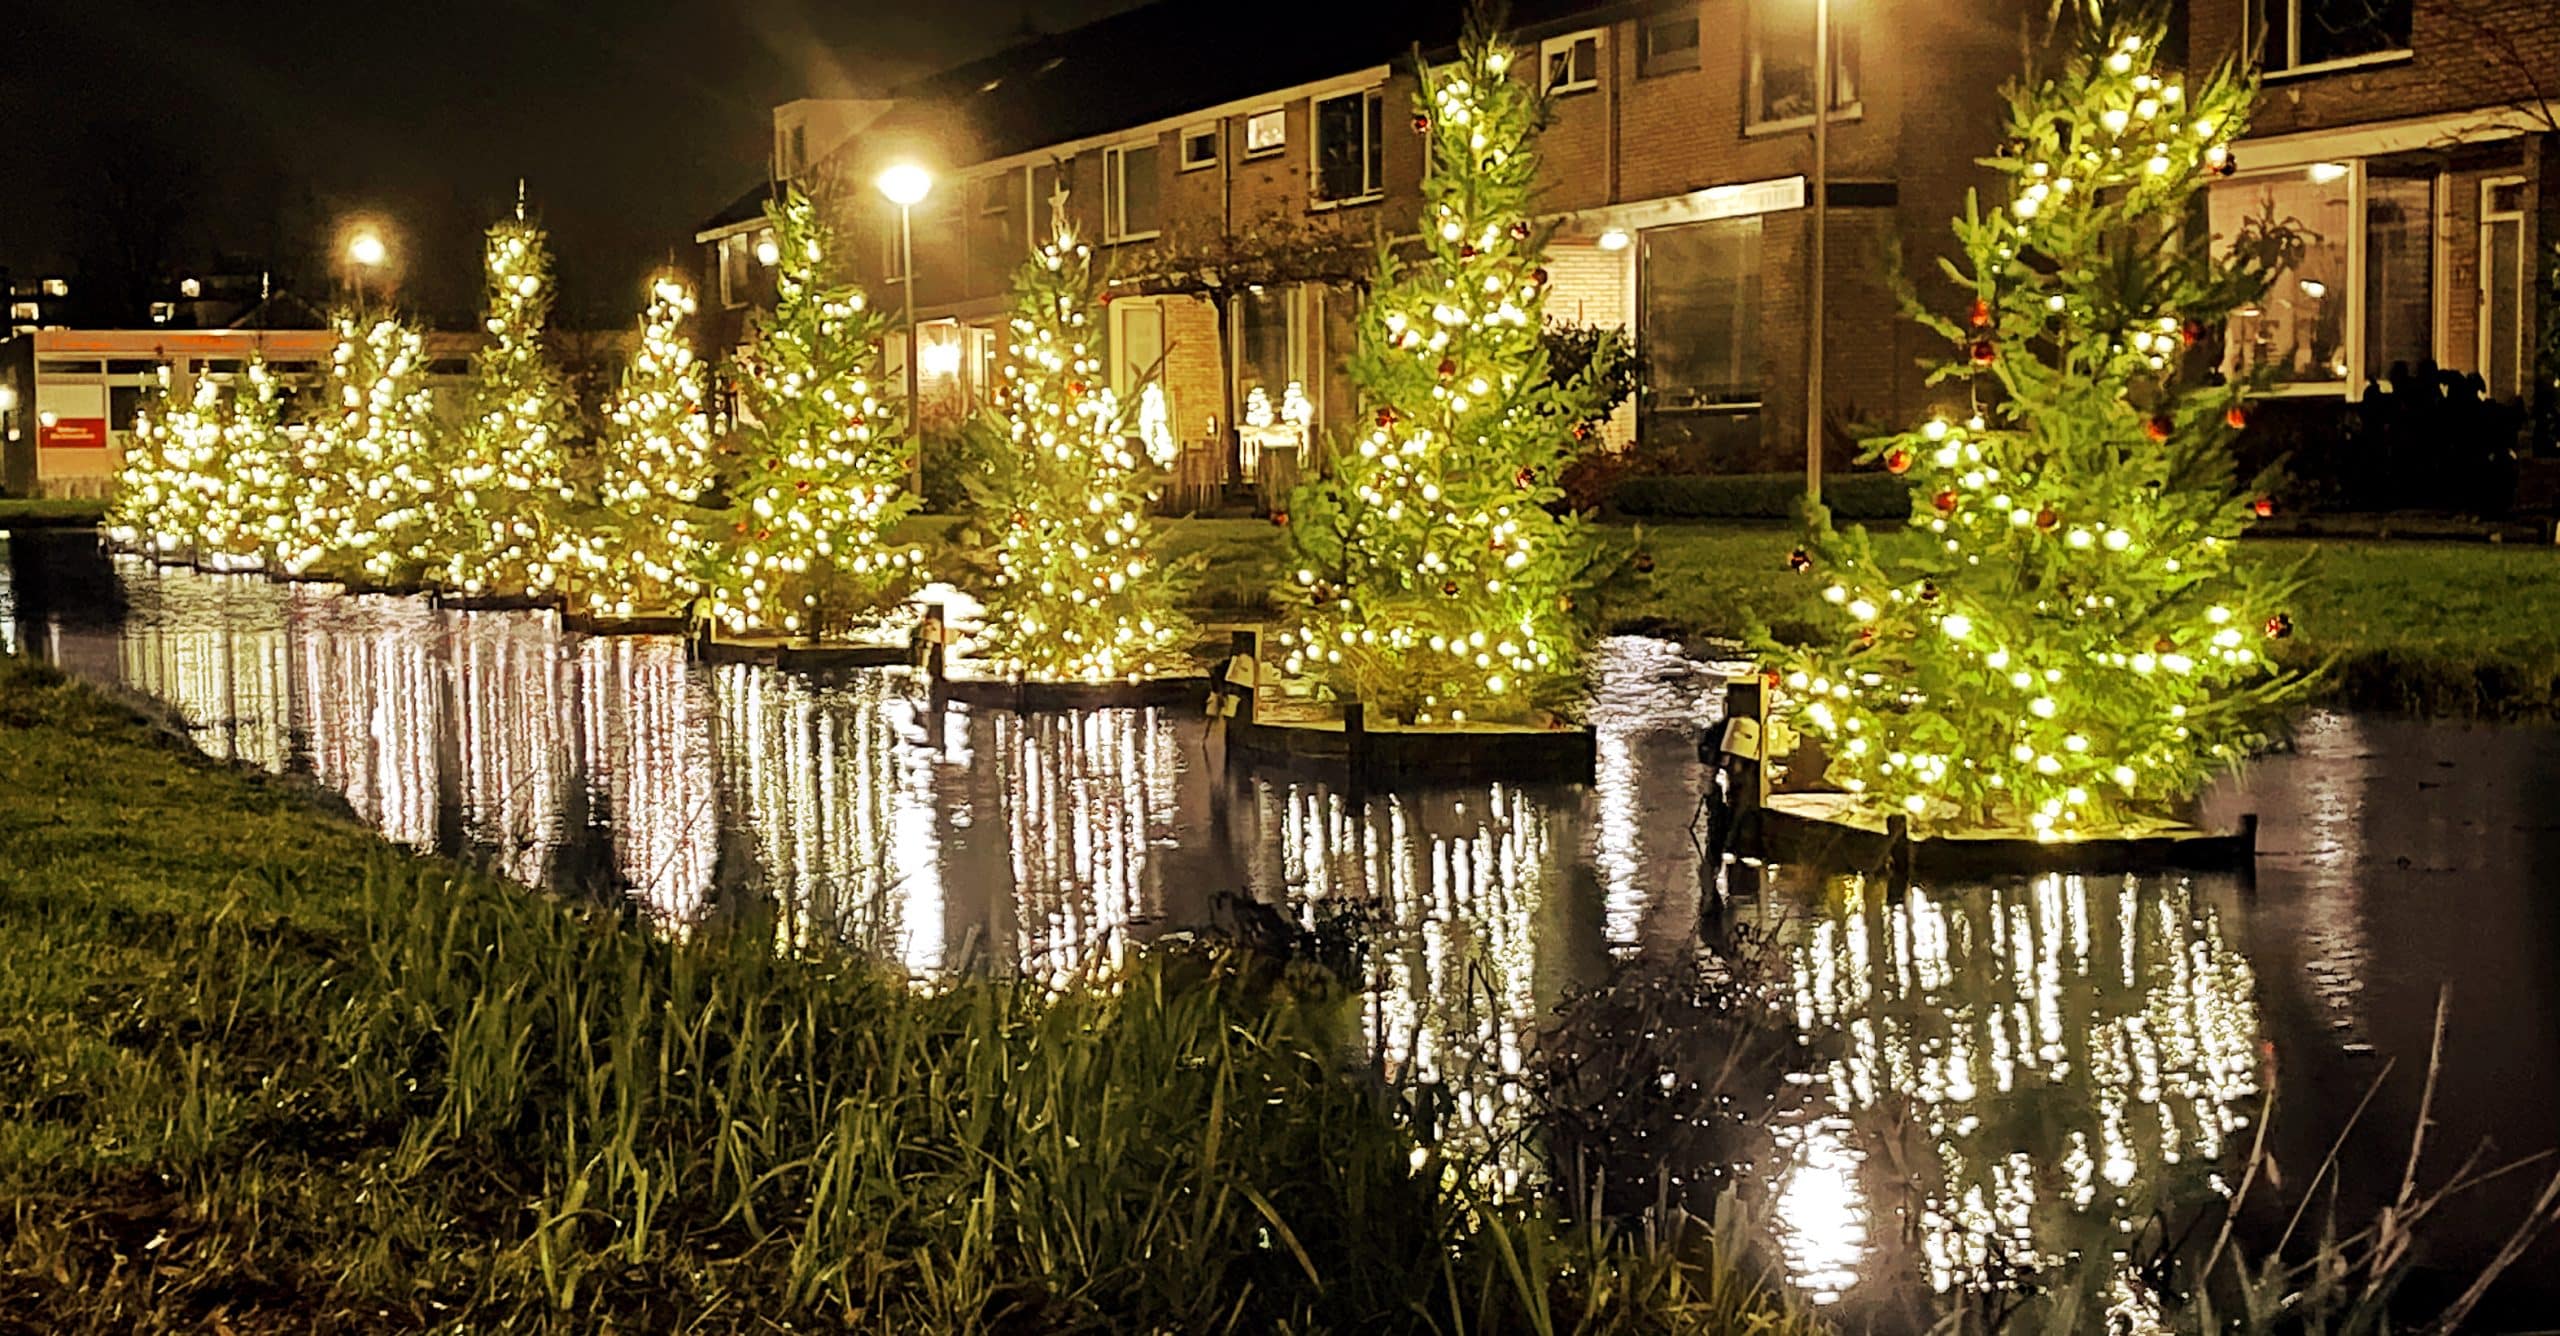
[{"x": 2464, "y": 55}]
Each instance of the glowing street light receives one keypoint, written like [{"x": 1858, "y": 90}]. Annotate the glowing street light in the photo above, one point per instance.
[
  {"x": 906, "y": 184},
  {"x": 365, "y": 251}
]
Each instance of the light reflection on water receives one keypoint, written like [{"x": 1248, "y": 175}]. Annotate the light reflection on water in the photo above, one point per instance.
[{"x": 1991, "y": 1075}]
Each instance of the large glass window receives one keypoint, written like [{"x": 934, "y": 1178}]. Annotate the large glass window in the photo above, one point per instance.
[
  {"x": 1698, "y": 314},
  {"x": 2300, "y": 34},
  {"x": 1782, "y": 61},
  {"x": 1667, "y": 42},
  {"x": 1137, "y": 343},
  {"x": 2399, "y": 273},
  {"x": 1348, "y": 147},
  {"x": 1131, "y": 193},
  {"x": 1270, "y": 341},
  {"x": 735, "y": 250},
  {"x": 2502, "y": 275},
  {"x": 2299, "y": 219}
]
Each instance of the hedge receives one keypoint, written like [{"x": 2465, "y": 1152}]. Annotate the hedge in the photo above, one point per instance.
[{"x": 1759, "y": 496}]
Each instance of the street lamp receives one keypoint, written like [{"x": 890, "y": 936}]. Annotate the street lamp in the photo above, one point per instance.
[
  {"x": 365, "y": 250},
  {"x": 906, "y": 185}
]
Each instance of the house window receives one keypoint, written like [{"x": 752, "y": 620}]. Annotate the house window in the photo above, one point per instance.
[
  {"x": 1348, "y": 147},
  {"x": 993, "y": 195},
  {"x": 2502, "y": 279},
  {"x": 1199, "y": 147},
  {"x": 2297, "y": 331},
  {"x": 1698, "y": 308},
  {"x": 2311, "y": 34},
  {"x": 1572, "y": 62},
  {"x": 791, "y": 152},
  {"x": 1781, "y": 84},
  {"x": 2399, "y": 273},
  {"x": 1667, "y": 42},
  {"x": 1266, "y": 132},
  {"x": 1131, "y": 194},
  {"x": 1137, "y": 344},
  {"x": 734, "y": 253}
]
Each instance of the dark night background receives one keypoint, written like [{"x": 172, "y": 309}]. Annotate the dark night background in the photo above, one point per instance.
[{"x": 178, "y": 134}]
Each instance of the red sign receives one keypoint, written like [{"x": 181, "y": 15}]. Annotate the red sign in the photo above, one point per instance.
[{"x": 73, "y": 434}]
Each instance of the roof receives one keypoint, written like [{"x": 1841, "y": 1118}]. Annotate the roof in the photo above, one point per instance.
[
  {"x": 1173, "y": 56},
  {"x": 746, "y": 208}
]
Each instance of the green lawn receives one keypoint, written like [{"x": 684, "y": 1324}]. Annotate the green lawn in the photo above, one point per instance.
[
  {"x": 259, "y": 1072},
  {"x": 2449, "y": 628},
  {"x": 28, "y": 512}
]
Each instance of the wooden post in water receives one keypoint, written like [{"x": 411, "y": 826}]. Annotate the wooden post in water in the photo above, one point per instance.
[
  {"x": 1247, "y": 644},
  {"x": 1355, "y": 743}
]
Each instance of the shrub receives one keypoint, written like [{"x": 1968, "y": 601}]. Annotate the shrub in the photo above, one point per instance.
[{"x": 1760, "y": 496}]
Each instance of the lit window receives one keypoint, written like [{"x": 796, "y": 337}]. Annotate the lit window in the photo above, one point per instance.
[
  {"x": 1698, "y": 305},
  {"x": 2309, "y": 34},
  {"x": 1200, "y": 147},
  {"x": 163, "y": 312},
  {"x": 732, "y": 253},
  {"x": 1265, "y": 132},
  {"x": 22, "y": 311},
  {"x": 2297, "y": 223},
  {"x": 2399, "y": 273},
  {"x": 2503, "y": 274},
  {"x": 1349, "y": 147},
  {"x": 1131, "y": 193},
  {"x": 190, "y": 288},
  {"x": 1782, "y": 62},
  {"x": 57, "y": 287},
  {"x": 1572, "y": 62},
  {"x": 1667, "y": 42}
]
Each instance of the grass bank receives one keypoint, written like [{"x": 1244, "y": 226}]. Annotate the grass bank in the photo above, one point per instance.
[
  {"x": 37, "y": 512},
  {"x": 2432, "y": 628},
  {"x": 261, "y": 1072}
]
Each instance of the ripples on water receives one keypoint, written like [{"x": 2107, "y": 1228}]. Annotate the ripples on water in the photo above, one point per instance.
[{"x": 1973, "y": 1078}]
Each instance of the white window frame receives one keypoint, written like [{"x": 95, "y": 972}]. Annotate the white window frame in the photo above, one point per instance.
[
  {"x": 1599, "y": 39},
  {"x": 2351, "y": 387},
  {"x": 2254, "y": 19},
  {"x": 2521, "y": 217},
  {"x": 1645, "y": 68},
  {"x": 1185, "y": 137},
  {"x": 1115, "y": 166},
  {"x": 1752, "y": 52},
  {"x": 1373, "y": 177},
  {"x": 1277, "y": 117},
  {"x": 991, "y": 193},
  {"x": 730, "y": 298}
]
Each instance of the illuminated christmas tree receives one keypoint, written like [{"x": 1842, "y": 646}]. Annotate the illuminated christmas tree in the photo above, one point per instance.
[
  {"x": 1433, "y": 580},
  {"x": 368, "y": 460},
  {"x": 644, "y": 554},
  {"x": 823, "y": 458},
  {"x": 1077, "y": 594},
  {"x": 2068, "y": 643},
  {"x": 253, "y": 488},
  {"x": 504, "y": 530},
  {"x": 162, "y": 482}
]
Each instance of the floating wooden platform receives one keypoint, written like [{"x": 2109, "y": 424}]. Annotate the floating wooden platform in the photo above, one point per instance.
[
  {"x": 644, "y": 624},
  {"x": 1029, "y": 697},
  {"x": 801, "y": 655},
  {"x": 457, "y": 602},
  {"x": 1841, "y": 831},
  {"x": 1454, "y": 754}
]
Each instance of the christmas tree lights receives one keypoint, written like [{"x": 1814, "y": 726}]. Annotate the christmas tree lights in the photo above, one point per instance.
[
  {"x": 1432, "y": 579},
  {"x": 2073, "y": 646},
  {"x": 505, "y": 532},
  {"x": 1078, "y": 595},
  {"x": 253, "y": 489},
  {"x": 166, "y": 475},
  {"x": 645, "y": 553},
  {"x": 368, "y": 464},
  {"x": 823, "y": 459}
]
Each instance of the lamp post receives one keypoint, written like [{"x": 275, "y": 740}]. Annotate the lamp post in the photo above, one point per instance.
[
  {"x": 1814, "y": 323},
  {"x": 906, "y": 185}
]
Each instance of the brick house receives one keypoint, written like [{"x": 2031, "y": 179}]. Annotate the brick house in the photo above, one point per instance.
[
  {"x": 1239, "y": 181},
  {"x": 2411, "y": 139}
]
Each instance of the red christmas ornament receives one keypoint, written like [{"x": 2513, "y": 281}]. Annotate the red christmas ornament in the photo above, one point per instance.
[
  {"x": 2279, "y": 626},
  {"x": 1928, "y": 592},
  {"x": 800, "y": 486},
  {"x": 1467, "y": 252},
  {"x": 2192, "y": 332},
  {"x": 2048, "y": 517},
  {"x": 1280, "y": 519},
  {"x": 1866, "y": 635},
  {"x": 1386, "y": 417},
  {"x": 1538, "y": 276},
  {"x": 1981, "y": 313},
  {"x": 763, "y": 534},
  {"x": 1422, "y": 125},
  {"x": 1945, "y": 502},
  {"x": 1519, "y": 231},
  {"x": 1984, "y": 354},
  {"x": 742, "y": 528},
  {"x": 1799, "y": 561},
  {"x": 1449, "y": 587},
  {"x": 2237, "y": 416},
  {"x": 1523, "y": 478},
  {"x": 1448, "y": 368},
  {"x": 1770, "y": 679},
  {"x": 2263, "y": 506},
  {"x": 2159, "y": 427},
  {"x": 1897, "y": 460},
  {"x": 1106, "y": 296},
  {"x": 1644, "y": 563},
  {"x": 2162, "y": 645},
  {"x": 1075, "y": 387},
  {"x": 1581, "y": 431}
]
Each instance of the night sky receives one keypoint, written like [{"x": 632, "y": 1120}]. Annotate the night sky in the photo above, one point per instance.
[{"x": 193, "y": 128}]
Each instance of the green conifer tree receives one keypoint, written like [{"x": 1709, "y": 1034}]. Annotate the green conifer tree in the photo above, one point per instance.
[
  {"x": 504, "y": 529},
  {"x": 1434, "y": 579},
  {"x": 161, "y": 482},
  {"x": 644, "y": 554},
  {"x": 1078, "y": 594},
  {"x": 821, "y": 475},
  {"x": 368, "y": 458},
  {"x": 2068, "y": 643},
  {"x": 253, "y": 488}
]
